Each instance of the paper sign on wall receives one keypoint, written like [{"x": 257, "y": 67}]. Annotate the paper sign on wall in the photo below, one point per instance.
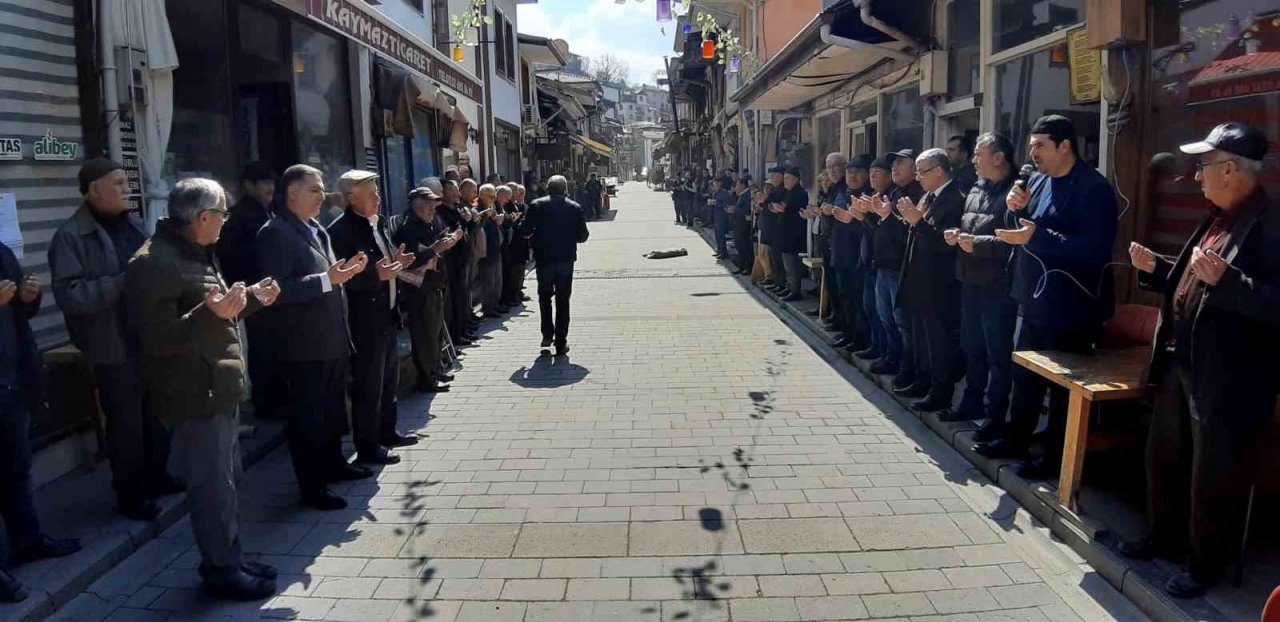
[{"x": 10, "y": 234}]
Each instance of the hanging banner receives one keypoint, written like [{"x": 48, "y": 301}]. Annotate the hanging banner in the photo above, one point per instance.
[{"x": 1085, "y": 64}]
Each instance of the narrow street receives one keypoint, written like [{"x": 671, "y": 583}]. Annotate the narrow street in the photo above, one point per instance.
[{"x": 692, "y": 459}]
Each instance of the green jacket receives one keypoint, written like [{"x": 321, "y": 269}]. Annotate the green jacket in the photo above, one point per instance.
[{"x": 192, "y": 361}]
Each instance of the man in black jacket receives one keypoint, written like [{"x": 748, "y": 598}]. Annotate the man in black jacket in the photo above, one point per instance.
[
  {"x": 839, "y": 318},
  {"x": 88, "y": 256},
  {"x": 928, "y": 293},
  {"x": 880, "y": 180},
  {"x": 458, "y": 266},
  {"x": 21, "y": 391},
  {"x": 987, "y": 313},
  {"x": 421, "y": 231},
  {"x": 771, "y": 232},
  {"x": 960, "y": 154},
  {"x": 310, "y": 317},
  {"x": 890, "y": 250},
  {"x": 845, "y": 262},
  {"x": 555, "y": 226},
  {"x": 1067, "y": 221},
  {"x": 1216, "y": 362},
  {"x": 792, "y": 200},
  {"x": 373, "y": 317},
  {"x": 239, "y": 260},
  {"x": 740, "y": 224}
]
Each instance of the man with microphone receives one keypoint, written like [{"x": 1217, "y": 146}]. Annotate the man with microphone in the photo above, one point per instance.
[
  {"x": 1216, "y": 362},
  {"x": 1066, "y": 226}
]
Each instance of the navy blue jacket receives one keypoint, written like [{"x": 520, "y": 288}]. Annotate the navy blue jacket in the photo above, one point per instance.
[
  {"x": 21, "y": 339},
  {"x": 1075, "y": 218},
  {"x": 846, "y": 239}
]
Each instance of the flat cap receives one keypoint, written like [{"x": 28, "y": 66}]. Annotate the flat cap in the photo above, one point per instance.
[{"x": 351, "y": 179}]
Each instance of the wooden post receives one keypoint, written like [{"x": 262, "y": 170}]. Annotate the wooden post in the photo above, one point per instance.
[{"x": 1077, "y": 435}]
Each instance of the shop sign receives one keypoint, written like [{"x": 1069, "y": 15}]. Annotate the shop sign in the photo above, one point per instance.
[
  {"x": 1230, "y": 89},
  {"x": 10, "y": 148},
  {"x": 369, "y": 27},
  {"x": 52, "y": 148}
]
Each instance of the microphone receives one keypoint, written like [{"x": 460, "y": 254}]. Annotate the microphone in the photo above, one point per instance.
[{"x": 1024, "y": 175}]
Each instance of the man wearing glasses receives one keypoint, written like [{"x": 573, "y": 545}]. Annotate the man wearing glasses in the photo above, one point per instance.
[{"x": 1216, "y": 363}]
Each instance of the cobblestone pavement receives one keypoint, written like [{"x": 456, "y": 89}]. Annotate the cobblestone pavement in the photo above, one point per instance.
[{"x": 693, "y": 459}]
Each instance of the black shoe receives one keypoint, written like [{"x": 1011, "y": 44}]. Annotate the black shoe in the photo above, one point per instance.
[
  {"x": 1136, "y": 549},
  {"x": 764, "y": 283},
  {"x": 324, "y": 500},
  {"x": 164, "y": 486},
  {"x": 842, "y": 342},
  {"x": 562, "y": 350},
  {"x": 814, "y": 313},
  {"x": 258, "y": 569},
  {"x": 990, "y": 431},
  {"x": 236, "y": 584},
  {"x": 1185, "y": 585},
  {"x": 793, "y": 298},
  {"x": 931, "y": 403},
  {"x": 462, "y": 343},
  {"x": 400, "y": 440},
  {"x": 433, "y": 387},
  {"x": 377, "y": 456},
  {"x": 902, "y": 380},
  {"x": 349, "y": 473},
  {"x": 546, "y": 342},
  {"x": 11, "y": 590},
  {"x": 959, "y": 414},
  {"x": 869, "y": 354},
  {"x": 524, "y": 298},
  {"x": 492, "y": 314},
  {"x": 140, "y": 509},
  {"x": 883, "y": 367},
  {"x": 1000, "y": 449},
  {"x": 1039, "y": 469},
  {"x": 443, "y": 377},
  {"x": 45, "y": 548},
  {"x": 916, "y": 389}
]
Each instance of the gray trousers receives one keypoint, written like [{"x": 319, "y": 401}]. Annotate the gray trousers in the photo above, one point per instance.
[
  {"x": 206, "y": 457},
  {"x": 795, "y": 270},
  {"x": 491, "y": 283}
]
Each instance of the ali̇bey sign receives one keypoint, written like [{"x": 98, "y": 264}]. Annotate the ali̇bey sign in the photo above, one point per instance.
[{"x": 52, "y": 148}]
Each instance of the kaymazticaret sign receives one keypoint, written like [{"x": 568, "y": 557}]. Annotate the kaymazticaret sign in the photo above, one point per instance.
[{"x": 366, "y": 25}]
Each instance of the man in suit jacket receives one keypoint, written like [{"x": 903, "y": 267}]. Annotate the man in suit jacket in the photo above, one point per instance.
[
  {"x": 310, "y": 319},
  {"x": 555, "y": 226},
  {"x": 928, "y": 292},
  {"x": 21, "y": 392},
  {"x": 373, "y": 318},
  {"x": 1216, "y": 361},
  {"x": 1068, "y": 224}
]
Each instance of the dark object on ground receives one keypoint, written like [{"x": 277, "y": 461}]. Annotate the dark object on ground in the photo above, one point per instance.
[{"x": 667, "y": 253}]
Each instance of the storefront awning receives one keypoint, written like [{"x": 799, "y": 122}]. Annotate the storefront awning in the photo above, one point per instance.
[{"x": 600, "y": 148}]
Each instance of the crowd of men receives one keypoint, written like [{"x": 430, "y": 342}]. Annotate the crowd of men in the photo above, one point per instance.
[
  {"x": 177, "y": 325},
  {"x": 940, "y": 264}
]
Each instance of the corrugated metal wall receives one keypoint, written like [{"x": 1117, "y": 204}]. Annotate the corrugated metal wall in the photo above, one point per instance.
[{"x": 38, "y": 94}]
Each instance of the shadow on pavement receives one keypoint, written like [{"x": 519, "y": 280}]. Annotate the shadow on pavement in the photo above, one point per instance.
[{"x": 549, "y": 372}]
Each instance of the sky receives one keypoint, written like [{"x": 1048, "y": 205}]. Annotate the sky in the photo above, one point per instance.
[{"x": 594, "y": 27}]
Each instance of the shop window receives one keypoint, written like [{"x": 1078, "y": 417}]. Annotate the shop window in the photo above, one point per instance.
[
  {"x": 1020, "y": 21},
  {"x": 500, "y": 43},
  {"x": 963, "y": 53},
  {"x": 201, "y": 142},
  {"x": 1210, "y": 63},
  {"x": 424, "y": 160},
  {"x": 509, "y": 35},
  {"x": 322, "y": 101},
  {"x": 1035, "y": 85},
  {"x": 827, "y": 137},
  {"x": 440, "y": 25},
  {"x": 260, "y": 34},
  {"x": 397, "y": 174},
  {"x": 902, "y": 124}
]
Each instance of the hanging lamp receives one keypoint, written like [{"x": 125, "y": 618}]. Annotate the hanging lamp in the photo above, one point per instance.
[
  {"x": 708, "y": 49},
  {"x": 458, "y": 55}
]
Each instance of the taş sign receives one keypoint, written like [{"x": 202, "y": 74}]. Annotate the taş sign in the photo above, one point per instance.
[
  {"x": 10, "y": 148},
  {"x": 51, "y": 148}
]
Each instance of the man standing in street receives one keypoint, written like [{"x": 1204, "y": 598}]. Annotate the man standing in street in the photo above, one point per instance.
[
  {"x": 987, "y": 313},
  {"x": 791, "y": 231},
  {"x": 459, "y": 312},
  {"x": 239, "y": 260},
  {"x": 960, "y": 154},
  {"x": 88, "y": 257},
  {"x": 825, "y": 243},
  {"x": 885, "y": 350},
  {"x": 185, "y": 315},
  {"x": 1216, "y": 363},
  {"x": 593, "y": 190},
  {"x": 555, "y": 226},
  {"x": 929, "y": 295},
  {"x": 373, "y": 317},
  {"x": 890, "y": 250},
  {"x": 739, "y": 222},
  {"x": 21, "y": 392},
  {"x": 724, "y": 199},
  {"x": 1068, "y": 224},
  {"x": 422, "y": 232},
  {"x": 311, "y": 321}
]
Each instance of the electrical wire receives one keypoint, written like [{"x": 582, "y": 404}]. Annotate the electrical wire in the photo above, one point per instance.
[
  {"x": 1115, "y": 127},
  {"x": 1043, "y": 282}
]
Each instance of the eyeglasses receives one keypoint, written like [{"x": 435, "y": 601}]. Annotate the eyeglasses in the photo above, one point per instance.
[
  {"x": 223, "y": 214},
  {"x": 921, "y": 173},
  {"x": 1200, "y": 166}
]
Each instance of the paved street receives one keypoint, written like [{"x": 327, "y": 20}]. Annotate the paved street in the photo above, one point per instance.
[{"x": 692, "y": 459}]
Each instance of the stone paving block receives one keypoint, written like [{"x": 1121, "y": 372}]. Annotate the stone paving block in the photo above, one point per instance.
[
  {"x": 347, "y": 587},
  {"x": 294, "y": 607},
  {"x": 892, "y": 605},
  {"x": 980, "y": 576},
  {"x": 572, "y": 540},
  {"x": 494, "y": 540},
  {"x": 683, "y": 538},
  {"x": 905, "y": 532},
  {"x": 470, "y": 589},
  {"x": 791, "y": 585},
  {"x": 559, "y": 612},
  {"x": 562, "y": 568},
  {"x": 763, "y": 610},
  {"x": 855, "y": 583},
  {"x": 358, "y": 540},
  {"x": 510, "y": 568},
  {"x": 598, "y": 589},
  {"x": 916, "y": 580},
  {"x": 812, "y": 563},
  {"x": 1030, "y": 595},
  {"x": 401, "y": 589},
  {"x": 752, "y": 564},
  {"x": 831, "y": 608},
  {"x": 962, "y": 600},
  {"x": 491, "y": 612},
  {"x": 796, "y": 535},
  {"x": 533, "y": 589},
  {"x": 361, "y": 610}
]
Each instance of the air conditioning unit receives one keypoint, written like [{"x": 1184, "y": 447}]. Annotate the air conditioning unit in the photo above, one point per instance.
[
  {"x": 529, "y": 114},
  {"x": 933, "y": 73}
]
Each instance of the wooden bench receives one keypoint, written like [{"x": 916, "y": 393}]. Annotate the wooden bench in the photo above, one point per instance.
[{"x": 824, "y": 299}]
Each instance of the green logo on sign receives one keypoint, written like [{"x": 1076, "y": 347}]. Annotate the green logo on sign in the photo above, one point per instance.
[{"x": 51, "y": 148}]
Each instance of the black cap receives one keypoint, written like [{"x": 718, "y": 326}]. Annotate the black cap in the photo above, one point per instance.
[
  {"x": 257, "y": 171},
  {"x": 95, "y": 169},
  {"x": 1235, "y": 138},
  {"x": 909, "y": 154},
  {"x": 862, "y": 162},
  {"x": 424, "y": 193},
  {"x": 778, "y": 169},
  {"x": 1058, "y": 127},
  {"x": 884, "y": 164},
  {"x": 794, "y": 171}
]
